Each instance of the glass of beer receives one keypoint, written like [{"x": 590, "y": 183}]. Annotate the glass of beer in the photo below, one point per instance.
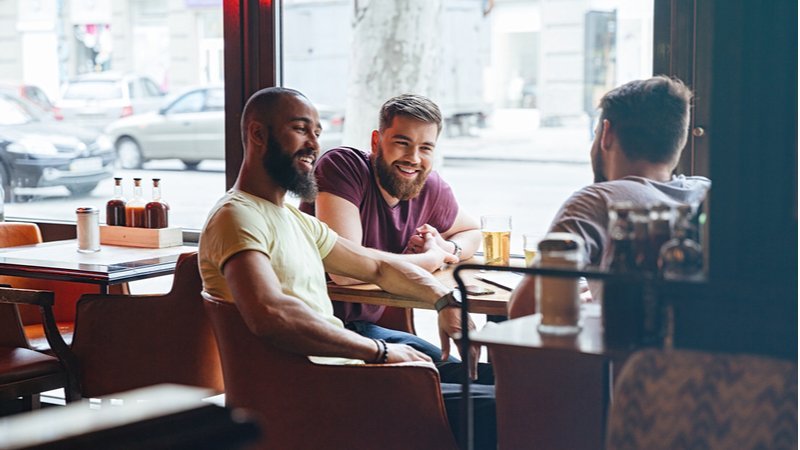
[
  {"x": 496, "y": 239},
  {"x": 530, "y": 244}
]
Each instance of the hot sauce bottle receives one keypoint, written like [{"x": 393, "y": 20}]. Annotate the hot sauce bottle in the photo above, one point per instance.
[
  {"x": 156, "y": 212},
  {"x": 134, "y": 209},
  {"x": 115, "y": 208}
]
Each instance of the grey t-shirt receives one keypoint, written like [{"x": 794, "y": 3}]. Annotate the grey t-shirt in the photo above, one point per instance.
[{"x": 585, "y": 213}]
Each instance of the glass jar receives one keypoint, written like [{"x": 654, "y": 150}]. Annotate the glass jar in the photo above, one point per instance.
[
  {"x": 558, "y": 298},
  {"x": 88, "y": 229}
]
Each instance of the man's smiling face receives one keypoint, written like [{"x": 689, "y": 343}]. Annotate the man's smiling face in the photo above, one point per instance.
[{"x": 402, "y": 156}]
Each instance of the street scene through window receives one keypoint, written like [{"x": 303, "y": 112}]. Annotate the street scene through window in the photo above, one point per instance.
[{"x": 134, "y": 88}]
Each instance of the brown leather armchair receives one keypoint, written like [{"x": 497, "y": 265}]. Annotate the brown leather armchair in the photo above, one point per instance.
[
  {"x": 305, "y": 405},
  {"x": 66, "y": 293},
  {"x": 124, "y": 342},
  {"x": 24, "y": 372}
]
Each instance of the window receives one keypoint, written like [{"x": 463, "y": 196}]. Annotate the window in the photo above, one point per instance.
[
  {"x": 192, "y": 102},
  {"x": 108, "y": 71},
  {"x": 517, "y": 85}
]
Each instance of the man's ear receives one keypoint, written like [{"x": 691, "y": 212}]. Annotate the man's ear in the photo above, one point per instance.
[
  {"x": 257, "y": 133},
  {"x": 607, "y": 135},
  {"x": 376, "y": 137}
]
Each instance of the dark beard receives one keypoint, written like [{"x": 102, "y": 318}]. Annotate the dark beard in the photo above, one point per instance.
[
  {"x": 597, "y": 167},
  {"x": 394, "y": 185},
  {"x": 280, "y": 166}
]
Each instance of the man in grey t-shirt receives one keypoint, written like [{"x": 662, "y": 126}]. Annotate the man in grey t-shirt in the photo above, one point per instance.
[{"x": 642, "y": 130}]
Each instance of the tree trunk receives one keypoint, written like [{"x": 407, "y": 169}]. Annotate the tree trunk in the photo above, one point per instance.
[{"x": 396, "y": 50}]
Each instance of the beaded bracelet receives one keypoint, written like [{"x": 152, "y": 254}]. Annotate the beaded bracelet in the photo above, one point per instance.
[
  {"x": 384, "y": 358},
  {"x": 378, "y": 351}
]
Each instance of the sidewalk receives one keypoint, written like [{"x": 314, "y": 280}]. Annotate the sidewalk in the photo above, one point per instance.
[
  {"x": 545, "y": 145},
  {"x": 521, "y": 140}
]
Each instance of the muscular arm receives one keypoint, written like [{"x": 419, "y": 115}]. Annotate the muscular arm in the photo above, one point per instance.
[
  {"x": 523, "y": 299},
  {"x": 285, "y": 321},
  {"x": 400, "y": 278},
  {"x": 343, "y": 217},
  {"x": 288, "y": 323},
  {"x": 466, "y": 231}
]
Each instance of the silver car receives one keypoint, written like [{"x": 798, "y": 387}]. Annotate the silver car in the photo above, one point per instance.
[
  {"x": 95, "y": 100},
  {"x": 191, "y": 127}
]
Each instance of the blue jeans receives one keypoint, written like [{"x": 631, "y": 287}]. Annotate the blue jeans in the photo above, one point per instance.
[
  {"x": 370, "y": 330},
  {"x": 449, "y": 371}
]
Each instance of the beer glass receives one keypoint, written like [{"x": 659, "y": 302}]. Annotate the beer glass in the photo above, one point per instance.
[
  {"x": 529, "y": 246},
  {"x": 496, "y": 239}
]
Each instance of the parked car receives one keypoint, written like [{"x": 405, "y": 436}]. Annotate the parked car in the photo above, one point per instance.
[
  {"x": 37, "y": 151},
  {"x": 94, "y": 100},
  {"x": 32, "y": 93},
  {"x": 189, "y": 127}
]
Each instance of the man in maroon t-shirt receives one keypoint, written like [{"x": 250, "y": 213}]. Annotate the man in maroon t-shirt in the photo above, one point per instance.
[{"x": 391, "y": 200}]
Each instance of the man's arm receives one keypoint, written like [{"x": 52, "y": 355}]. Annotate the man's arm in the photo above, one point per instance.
[
  {"x": 523, "y": 299},
  {"x": 343, "y": 217},
  {"x": 290, "y": 324},
  {"x": 400, "y": 278}
]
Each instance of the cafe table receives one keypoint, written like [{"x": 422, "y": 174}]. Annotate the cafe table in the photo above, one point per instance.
[
  {"x": 553, "y": 392},
  {"x": 494, "y": 304},
  {"x": 60, "y": 260}
]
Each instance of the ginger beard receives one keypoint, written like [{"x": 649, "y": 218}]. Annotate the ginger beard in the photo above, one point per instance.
[
  {"x": 397, "y": 185},
  {"x": 288, "y": 170}
]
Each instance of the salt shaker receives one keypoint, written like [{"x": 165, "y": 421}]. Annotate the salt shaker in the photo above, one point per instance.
[{"x": 88, "y": 227}]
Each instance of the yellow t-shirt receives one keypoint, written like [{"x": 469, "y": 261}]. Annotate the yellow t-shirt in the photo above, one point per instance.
[{"x": 294, "y": 242}]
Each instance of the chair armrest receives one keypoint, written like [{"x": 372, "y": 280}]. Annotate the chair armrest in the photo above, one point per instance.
[{"x": 45, "y": 300}]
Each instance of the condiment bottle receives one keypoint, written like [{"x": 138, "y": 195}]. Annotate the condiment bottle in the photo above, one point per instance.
[
  {"x": 134, "y": 209},
  {"x": 681, "y": 257},
  {"x": 115, "y": 208},
  {"x": 661, "y": 219},
  {"x": 622, "y": 238},
  {"x": 156, "y": 212}
]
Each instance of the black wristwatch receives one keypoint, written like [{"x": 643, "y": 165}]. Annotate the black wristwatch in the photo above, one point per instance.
[
  {"x": 456, "y": 248},
  {"x": 452, "y": 298}
]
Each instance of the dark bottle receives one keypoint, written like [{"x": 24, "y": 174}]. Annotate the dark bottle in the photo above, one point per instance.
[
  {"x": 661, "y": 220},
  {"x": 622, "y": 301},
  {"x": 681, "y": 257},
  {"x": 156, "y": 212},
  {"x": 134, "y": 209},
  {"x": 621, "y": 237},
  {"x": 115, "y": 208},
  {"x": 640, "y": 222}
]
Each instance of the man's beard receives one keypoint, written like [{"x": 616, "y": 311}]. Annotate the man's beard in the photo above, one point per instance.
[
  {"x": 280, "y": 166},
  {"x": 396, "y": 186},
  {"x": 597, "y": 163}
]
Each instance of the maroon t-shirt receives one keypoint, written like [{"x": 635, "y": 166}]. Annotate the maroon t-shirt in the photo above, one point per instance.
[{"x": 347, "y": 173}]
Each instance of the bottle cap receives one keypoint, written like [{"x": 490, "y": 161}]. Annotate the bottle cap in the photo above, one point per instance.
[{"x": 87, "y": 210}]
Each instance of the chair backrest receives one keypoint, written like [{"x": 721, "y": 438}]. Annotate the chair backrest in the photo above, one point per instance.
[
  {"x": 125, "y": 342},
  {"x": 687, "y": 399},
  {"x": 13, "y": 234},
  {"x": 305, "y": 405}
]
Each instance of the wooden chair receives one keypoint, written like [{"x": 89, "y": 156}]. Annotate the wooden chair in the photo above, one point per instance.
[
  {"x": 123, "y": 342},
  {"x": 305, "y": 405},
  {"x": 67, "y": 293},
  {"x": 24, "y": 372},
  {"x": 687, "y": 399}
]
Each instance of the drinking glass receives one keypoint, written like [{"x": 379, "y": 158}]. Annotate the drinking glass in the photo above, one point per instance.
[
  {"x": 530, "y": 241},
  {"x": 496, "y": 231}
]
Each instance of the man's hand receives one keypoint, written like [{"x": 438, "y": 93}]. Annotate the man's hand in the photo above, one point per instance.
[
  {"x": 404, "y": 353},
  {"x": 427, "y": 229},
  {"x": 427, "y": 244},
  {"x": 450, "y": 325}
]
